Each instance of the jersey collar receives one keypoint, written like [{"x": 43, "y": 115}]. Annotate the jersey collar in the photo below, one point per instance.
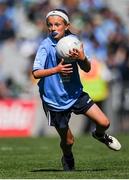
[{"x": 52, "y": 41}]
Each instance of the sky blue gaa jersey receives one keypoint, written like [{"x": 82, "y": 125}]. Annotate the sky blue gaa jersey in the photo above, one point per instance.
[{"x": 58, "y": 92}]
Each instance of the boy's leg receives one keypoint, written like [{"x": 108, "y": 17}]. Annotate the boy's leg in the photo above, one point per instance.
[
  {"x": 67, "y": 140},
  {"x": 66, "y": 143},
  {"x": 60, "y": 121},
  {"x": 102, "y": 124},
  {"x": 99, "y": 118}
]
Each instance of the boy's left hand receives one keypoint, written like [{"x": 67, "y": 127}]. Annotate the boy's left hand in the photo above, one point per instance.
[{"x": 77, "y": 53}]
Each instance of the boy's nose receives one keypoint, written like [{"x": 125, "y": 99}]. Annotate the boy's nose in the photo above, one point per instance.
[{"x": 53, "y": 28}]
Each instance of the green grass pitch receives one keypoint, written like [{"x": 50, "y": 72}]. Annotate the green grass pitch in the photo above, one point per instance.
[{"x": 39, "y": 158}]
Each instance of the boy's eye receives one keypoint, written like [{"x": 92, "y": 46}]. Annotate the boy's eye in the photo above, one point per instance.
[
  {"x": 49, "y": 25},
  {"x": 56, "y": 24}
]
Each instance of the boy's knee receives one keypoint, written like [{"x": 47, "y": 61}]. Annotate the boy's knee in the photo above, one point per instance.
[{"x": 70, "y": 140}]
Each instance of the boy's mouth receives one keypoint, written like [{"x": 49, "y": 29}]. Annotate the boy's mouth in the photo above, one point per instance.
[{"x": 53, "y": 34}]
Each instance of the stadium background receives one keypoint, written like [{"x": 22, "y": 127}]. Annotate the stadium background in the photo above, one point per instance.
[{"x": 102, "y": 26}]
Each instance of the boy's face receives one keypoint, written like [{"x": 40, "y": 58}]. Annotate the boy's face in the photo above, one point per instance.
[{"x": 57, "y": 25}]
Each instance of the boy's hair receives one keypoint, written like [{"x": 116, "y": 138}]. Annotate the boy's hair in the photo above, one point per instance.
[{"x": 62, "y": 10}]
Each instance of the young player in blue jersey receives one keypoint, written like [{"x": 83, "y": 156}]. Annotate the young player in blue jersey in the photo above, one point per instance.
[{"x": 59, "y": 97}]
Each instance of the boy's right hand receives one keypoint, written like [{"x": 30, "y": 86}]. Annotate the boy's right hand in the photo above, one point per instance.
[{"x": 64, "y": 69}]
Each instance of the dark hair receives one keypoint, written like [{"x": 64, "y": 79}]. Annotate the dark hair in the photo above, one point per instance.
[{"x": 62, "y": 10}]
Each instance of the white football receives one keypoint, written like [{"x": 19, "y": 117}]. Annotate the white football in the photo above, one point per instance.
[{"x": 66, "y": 44}]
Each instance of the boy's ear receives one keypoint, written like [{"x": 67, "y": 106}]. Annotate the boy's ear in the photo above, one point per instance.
[{"x": 67, "y": 27}]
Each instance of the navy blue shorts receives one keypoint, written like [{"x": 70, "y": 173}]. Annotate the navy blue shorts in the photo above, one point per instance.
[{"x": 61, "y": 119}]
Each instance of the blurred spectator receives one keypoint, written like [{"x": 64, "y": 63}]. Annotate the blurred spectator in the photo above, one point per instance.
[
  {"x": 4, "y": 91},
  {"x": 87, "y": 5},
  {"x": 6, "y": 26},
  {"x": 96, "y": 84}
]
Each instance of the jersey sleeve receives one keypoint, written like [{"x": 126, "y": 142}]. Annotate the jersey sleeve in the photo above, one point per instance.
[{"x": 40, "y": 59}]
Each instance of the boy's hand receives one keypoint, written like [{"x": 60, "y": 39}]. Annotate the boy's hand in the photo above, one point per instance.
[
  {"x": 64, "y": 69},
  {"x": 77, "y": 53}
]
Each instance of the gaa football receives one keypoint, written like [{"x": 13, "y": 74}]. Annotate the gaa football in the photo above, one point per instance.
[{"x": 66, "y": 44}]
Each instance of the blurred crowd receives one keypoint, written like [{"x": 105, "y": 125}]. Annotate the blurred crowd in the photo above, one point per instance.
[{"x": 22, "y": 27}]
